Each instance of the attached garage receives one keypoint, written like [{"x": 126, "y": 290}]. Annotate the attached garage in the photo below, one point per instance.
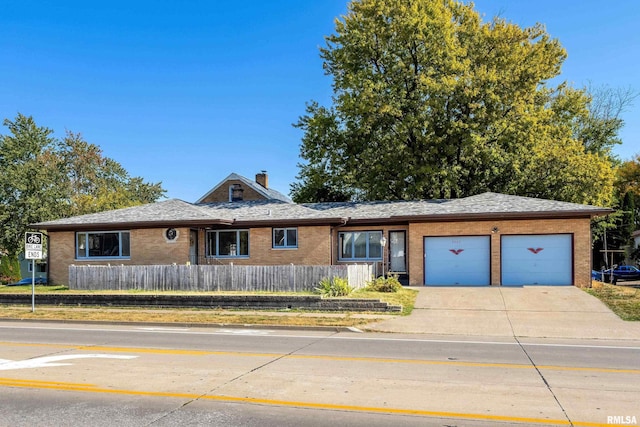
[
  {"x": 537, "y": 259},
  {"x": 457, "y": 260}
]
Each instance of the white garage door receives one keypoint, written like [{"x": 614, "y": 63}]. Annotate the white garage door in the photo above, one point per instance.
[
  {"x": 457, "y": 260},
  {"x": 540, "y": 259}
]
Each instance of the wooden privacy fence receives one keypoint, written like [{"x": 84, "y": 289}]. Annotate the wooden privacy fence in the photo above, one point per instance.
[{"x": 254, "y": 278}]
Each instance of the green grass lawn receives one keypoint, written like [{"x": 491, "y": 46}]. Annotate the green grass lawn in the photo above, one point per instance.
[
  {"x": 404, "y": 297},
  {"x": 623, "y": 301}
]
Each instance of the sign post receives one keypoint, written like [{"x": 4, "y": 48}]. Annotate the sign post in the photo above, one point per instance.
[{"x": 33, "y": 251}]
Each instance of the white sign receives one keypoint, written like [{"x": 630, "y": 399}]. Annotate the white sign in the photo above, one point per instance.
[
  {"x": 33, "y": 245},
  {"x": 31, "y": 254}
]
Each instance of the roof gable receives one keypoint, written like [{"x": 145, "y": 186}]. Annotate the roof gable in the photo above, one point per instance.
[{"x": 267, "y": 193}]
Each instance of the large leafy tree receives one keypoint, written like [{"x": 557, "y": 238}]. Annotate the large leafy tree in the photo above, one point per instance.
[
  {"x": 28, "y": 179},
  {"x": 43, "y": 178},
  {"x": 95, "y": 183},
  {"x": 432, "y": 102}
]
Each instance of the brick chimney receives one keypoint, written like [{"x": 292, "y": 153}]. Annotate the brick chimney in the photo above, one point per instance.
[{"x": 263, "y": 179}]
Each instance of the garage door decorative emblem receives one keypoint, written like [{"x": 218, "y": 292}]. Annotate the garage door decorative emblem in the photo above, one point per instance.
[
  {"x": 535, "y": 250},
  {"x": 456, "y": 251}
]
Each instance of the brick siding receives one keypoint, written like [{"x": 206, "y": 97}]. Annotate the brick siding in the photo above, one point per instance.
[
  {"x": 580, "y": 228},
  {"x": 318, "y": 245}
]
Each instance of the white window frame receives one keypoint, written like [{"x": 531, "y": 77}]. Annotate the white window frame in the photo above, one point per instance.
[
  {"x": 87, "y": 255},
  {"x": 286, "y": 244},
  {"x": 367, "y": 234},
  {"x": 216, "y": 254}
]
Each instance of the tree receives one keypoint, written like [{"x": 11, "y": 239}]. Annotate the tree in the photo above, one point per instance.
[
  {"x": 628, "y": 177},
  {"x": 620, "y": 225},
  {"x": 431, "y": 102},
  {"x": 28, "y": 190},
  {"x": 43, "y": 178},
  {"x": 95, "y": 183},
  {"x": 628, "y": 184},
  {"x": 599, "y": 129}
]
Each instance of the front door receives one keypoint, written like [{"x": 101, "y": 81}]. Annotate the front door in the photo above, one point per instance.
[{"x": 398, "y": 251}]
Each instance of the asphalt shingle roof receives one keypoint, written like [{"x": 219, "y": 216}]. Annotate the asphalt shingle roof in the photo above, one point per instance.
[{"x": 175, "y": 212}]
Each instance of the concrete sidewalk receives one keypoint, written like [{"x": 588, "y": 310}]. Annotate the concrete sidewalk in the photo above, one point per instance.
[{"x": 530, "y": 311}]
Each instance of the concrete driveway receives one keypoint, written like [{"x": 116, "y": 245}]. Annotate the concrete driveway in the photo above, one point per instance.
[{"x": 529, "y": 311}]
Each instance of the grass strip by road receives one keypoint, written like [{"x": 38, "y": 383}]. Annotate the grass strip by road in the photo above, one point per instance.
[
  {"x": 186, "y": 317},
  {"x": 287, "y": 318},
  {"x": 622, "y": 300}
]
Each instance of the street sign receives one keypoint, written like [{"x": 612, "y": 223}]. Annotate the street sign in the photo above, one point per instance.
[{"x": 33, "y": 245}]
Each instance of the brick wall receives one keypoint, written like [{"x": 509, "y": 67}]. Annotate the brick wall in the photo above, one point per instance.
[
  {"x": 148, "y": 246},
  {"x": 313, "y": 248},
  {"x": 318, "y": 245},
  {"x": 580, "y": 228}
]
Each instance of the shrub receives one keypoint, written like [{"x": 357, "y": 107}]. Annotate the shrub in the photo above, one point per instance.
[
  {"x": 384, "y": 284},
  {"x": 334, "y": 287},
  {"x": 9, "y": 269}
]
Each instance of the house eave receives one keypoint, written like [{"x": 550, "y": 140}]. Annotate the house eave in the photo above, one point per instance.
[
  {"x": 132, "y": 225},
  {"x": 503, "y": 216}
]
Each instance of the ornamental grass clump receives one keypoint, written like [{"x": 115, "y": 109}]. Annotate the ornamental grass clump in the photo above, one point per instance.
[
  {"x": 334, "y": 287},
  {"x": 384, "y": 284}
]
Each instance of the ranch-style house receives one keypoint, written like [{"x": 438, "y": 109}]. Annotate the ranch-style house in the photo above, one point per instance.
[{"x": 484, "y": 240}]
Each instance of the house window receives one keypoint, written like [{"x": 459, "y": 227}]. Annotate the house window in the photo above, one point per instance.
[
  {"x": 111, "y": 244},
  {"x": 360, "y": 245},
  {"x": 228, "y": 243},
  {"x": 41, "y": 267},
  {"x": 236, "y": 193},
  {"x": 285, "y": 238}
]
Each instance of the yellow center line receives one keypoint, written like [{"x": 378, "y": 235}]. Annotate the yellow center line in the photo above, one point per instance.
[
  {"x": 17, "y": 381},
  {"x": 181, "y": 352},
  {"x": 9, "y": 382}
]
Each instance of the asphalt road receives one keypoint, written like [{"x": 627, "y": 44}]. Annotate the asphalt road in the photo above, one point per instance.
[{"x": 54, "y": 374}]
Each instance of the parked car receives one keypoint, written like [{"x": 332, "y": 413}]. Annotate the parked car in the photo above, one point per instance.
[
  {"x": 622, "y": 272},
  {"x": 27, "y": 281},
  {"x": 596, "y": 275}
]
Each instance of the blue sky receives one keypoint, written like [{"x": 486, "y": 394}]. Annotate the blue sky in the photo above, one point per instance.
[{"x": 188, "y": 92}]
